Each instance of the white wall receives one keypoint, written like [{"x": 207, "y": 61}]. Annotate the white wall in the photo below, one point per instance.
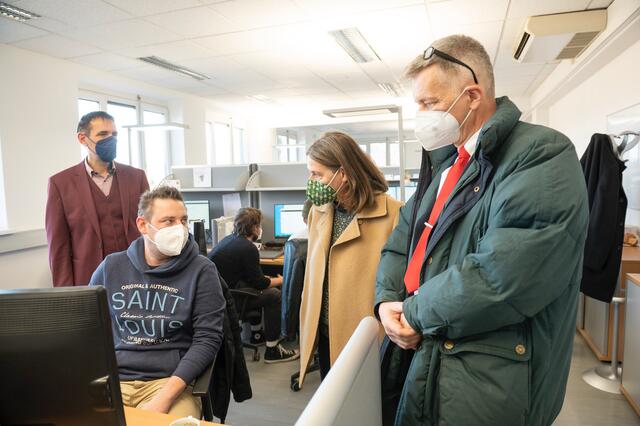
[
  {"x": 584, "y": 110},
  {"x": 579, "y": 95},
  {"x": 38, "y": 117}
]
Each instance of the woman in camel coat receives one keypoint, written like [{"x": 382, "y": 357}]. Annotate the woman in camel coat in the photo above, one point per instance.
[{"x": 350, "y": 221}]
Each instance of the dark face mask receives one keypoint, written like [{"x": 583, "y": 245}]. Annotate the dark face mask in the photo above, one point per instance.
[{"x": 106, "y": 148}]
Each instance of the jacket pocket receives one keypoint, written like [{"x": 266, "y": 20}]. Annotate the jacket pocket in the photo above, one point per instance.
[{"x": 485, "y": 379}]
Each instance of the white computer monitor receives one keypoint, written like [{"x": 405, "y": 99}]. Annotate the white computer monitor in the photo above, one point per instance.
[
  {"x": 351, "y": 392},
  {"x": 287, "y": 219},
  {"x": 199, "y": 210}
]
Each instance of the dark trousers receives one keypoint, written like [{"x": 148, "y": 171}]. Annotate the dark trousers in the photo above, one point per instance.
[
  {"x": 269, "y": 300},
  {"x": 324, "y": 358}
]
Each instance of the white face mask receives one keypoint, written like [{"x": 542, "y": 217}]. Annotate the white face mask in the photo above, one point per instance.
[
  {"x": 170, "y": 240},
  {"x": 437, "y": 129}
]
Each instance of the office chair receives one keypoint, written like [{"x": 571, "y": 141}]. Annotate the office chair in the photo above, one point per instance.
[
  {"x": 295, "y": 259},
  {"x": 242, "y": 296},
  {"x": 201, "y": 389}
]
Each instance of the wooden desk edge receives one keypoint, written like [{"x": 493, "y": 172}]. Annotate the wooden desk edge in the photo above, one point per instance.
[
  {"x": 140, "y": 417},
  {"x": 634, "y": 278},
  {"x": 630, "y": 400},
  {"x": 278, "y": 261}
]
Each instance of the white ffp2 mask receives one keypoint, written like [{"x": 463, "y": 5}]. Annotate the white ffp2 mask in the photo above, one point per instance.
[
  {"x": 170, "y": 240},
  {"x": 437, "y": 129}
]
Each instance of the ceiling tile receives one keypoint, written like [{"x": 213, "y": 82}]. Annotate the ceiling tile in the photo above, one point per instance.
[
  {"x": 122, "y": 35},
  {"x": 465, "y": 12},
  {"x": 214, "y": 67},
  {"x": 107, "y": 61},
  {"x": 397, "y": 35},
  {"x": 245, "y": 82},
  {"x": 526, "y": 8},
  {"x": 487, "y": 33},
  {"x": 152, "y": 7},
  {"x": 57, "y": 46},
  {"x": 12, "y": 31},
  {"x": 249, "y": 14},
  {"x": 146, "y": 73},
  {"x": 333, "y": 8},
  {"x": 79, "y": 13},
  {"x": 174, "y": 51},
  {"x": 196, "y": 22},
  {"x": 350, "y": 82}
]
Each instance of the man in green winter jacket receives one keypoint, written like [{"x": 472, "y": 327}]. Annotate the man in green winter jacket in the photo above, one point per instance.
[{"x": 477, "y": 285}]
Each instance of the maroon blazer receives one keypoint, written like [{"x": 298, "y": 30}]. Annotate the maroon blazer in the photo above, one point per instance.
[{"x": 71, "y": 221}]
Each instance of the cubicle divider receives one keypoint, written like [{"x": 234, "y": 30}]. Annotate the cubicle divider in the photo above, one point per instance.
[{"x": 283, "y": 183}]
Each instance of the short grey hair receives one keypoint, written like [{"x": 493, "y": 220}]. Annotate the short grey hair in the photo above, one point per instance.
[
  {"x": 465, "y": 49},
  {"x": 145, "y": 205}
]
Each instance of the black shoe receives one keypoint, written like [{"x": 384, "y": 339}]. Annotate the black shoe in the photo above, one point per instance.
[
  {"x": 279, "y": 353},
  {"x": 257, "y": 338}
]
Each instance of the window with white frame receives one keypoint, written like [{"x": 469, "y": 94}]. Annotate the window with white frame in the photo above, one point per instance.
[
  {"x": 149, "y": 149},
  {"x": 225, "y": 144},
  {"x": 123, "y": 115},
  {"x": 4, "y": 225},
  {"x": 287, "y": 148},
  {"x": 156, "y": 148}
]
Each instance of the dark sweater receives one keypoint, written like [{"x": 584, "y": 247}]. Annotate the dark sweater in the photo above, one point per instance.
[
  {"x": 167, "y": 320},
  {"x": 237, "y": 260}
]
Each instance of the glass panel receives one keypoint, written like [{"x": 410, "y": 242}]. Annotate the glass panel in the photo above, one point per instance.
[
  {"x": 208, "y": 135},
  {"x": 222, "y": 144},
  {"x": 124, "y": 115},
  {"x": 394, "y": 154},
  {"x": 282, "y": 153},
  {"x": 282, "y": 140},
  {"x": 363, "y": 147},
  {"x": 301, "y": 153},
  {"x": 379, "y": 153},
  {"x": 293, "y": 154},
  {"x": 238, "y": 146},
  {"x": 155, "y": 148},
  {"x": 86, "y": 106}
]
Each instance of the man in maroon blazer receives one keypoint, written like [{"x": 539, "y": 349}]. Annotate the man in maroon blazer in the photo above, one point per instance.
[{"x": 92, "y": 206}]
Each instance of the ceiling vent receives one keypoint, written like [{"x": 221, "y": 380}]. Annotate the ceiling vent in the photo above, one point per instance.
[{"x": 561, "y": 36}]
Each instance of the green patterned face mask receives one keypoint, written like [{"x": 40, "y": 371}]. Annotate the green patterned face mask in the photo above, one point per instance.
[{"x": 321, "y": 193}]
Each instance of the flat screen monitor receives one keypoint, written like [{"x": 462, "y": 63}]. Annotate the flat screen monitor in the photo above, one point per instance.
[
  {"x": 199, "y": 210},
  {"x": 57, "y": 358},
  {"x": 287, "y": 219}
]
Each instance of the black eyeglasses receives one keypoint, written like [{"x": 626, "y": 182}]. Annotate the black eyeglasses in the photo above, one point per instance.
[{"x": 433, "y": 51}]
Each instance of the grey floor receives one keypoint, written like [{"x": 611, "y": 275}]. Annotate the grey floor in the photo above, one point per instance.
[{"x": 274, "y": 404}]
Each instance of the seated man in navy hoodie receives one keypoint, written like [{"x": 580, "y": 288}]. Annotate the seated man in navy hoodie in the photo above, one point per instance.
[{"x": 166, "y": 308}]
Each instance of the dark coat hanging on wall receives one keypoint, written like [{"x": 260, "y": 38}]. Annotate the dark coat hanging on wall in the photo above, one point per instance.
[{"x": 607, "y": 208}]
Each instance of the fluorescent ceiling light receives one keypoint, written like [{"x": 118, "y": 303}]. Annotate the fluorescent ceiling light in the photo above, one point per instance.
[
  {"x": 353, "y": 112},
  {"x": 392, "y": 89},
  {"x": 161, "y": 126},
  {"x": 352, "y": 41},
  {"x": 16, "y": 13},
  {"x": 162, "y": 63}
]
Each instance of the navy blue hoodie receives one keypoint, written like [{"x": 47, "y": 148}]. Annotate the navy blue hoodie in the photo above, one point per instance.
[{"x": 166, "y": 320}]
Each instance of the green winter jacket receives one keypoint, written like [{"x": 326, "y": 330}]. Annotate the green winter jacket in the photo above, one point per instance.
[{"x": 500, "y": 281}]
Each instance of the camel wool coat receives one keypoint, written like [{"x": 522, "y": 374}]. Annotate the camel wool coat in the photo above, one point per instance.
[{"x": 352, "y": 265}]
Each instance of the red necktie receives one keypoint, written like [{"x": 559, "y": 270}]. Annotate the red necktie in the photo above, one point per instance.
[{"x": 412, "y": 276}]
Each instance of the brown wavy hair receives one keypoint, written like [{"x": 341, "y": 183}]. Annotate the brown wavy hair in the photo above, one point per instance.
[
  {"x": 337, "y": 150},
  {"x": 245, "y": 220}
]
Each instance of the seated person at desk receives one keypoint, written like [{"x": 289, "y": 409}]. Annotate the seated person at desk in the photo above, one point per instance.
[
  {"x": 238, "y": 261},
  {"x": 166, "y": 307}
]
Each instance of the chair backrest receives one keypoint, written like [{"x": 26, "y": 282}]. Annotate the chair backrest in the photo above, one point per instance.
[
  {"x": 350, "y": 394},
  {"x": 295, "y": 258}
]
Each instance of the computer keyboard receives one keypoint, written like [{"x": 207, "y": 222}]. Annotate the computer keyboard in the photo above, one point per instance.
[{"x": 271, "y": 254}]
